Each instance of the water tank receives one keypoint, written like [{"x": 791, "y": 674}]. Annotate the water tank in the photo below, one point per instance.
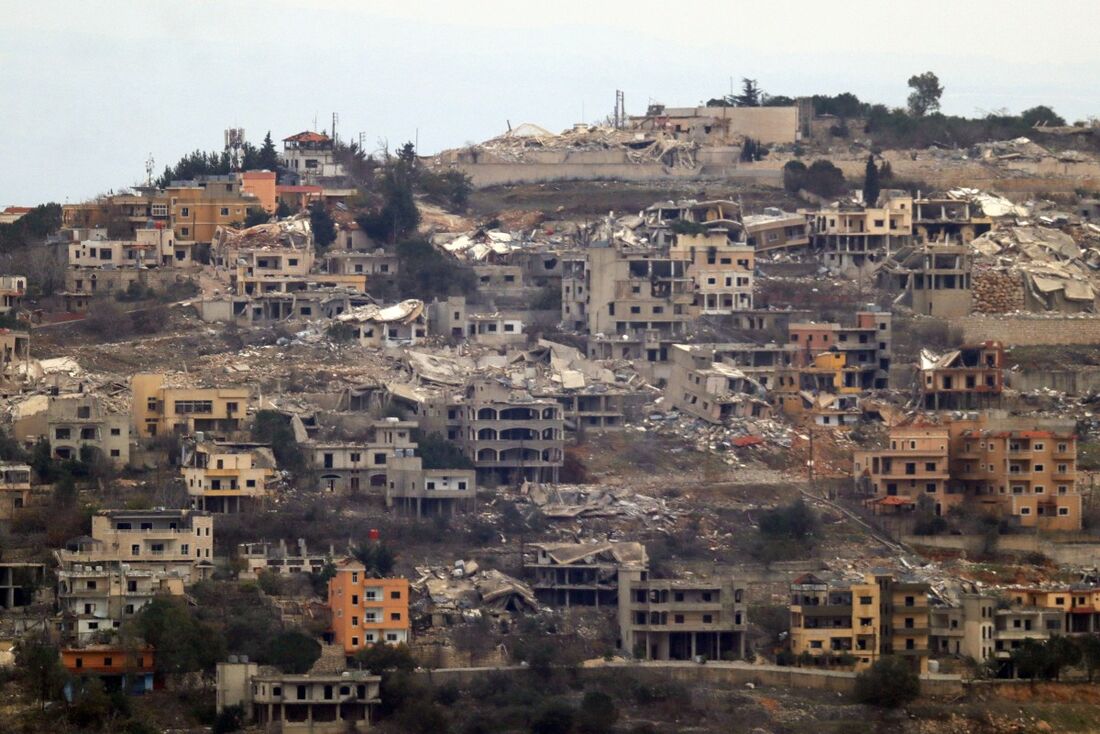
[
  {"x": 374, "y": 534},
  {"x": 933, "y": 666}
]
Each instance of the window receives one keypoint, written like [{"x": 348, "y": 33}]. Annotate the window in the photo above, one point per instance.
[
  {"x": 379, "y": 459},
  {"x": 866, "y": 600},
  {"x": 678, "y": 619},
  {"x": 1063, "y": 511},
  {"x": 225, "y": 211},
  {"x": 395, "y": 616},
  {"x": 62, "y": 433},
  {"x": 135, "y": 550},
  {"x": 708, "y": 618}
]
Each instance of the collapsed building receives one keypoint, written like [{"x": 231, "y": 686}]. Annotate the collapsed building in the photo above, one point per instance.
[
  {"x": 582, "y": 574},
  {"x": 966, "y": 378}
]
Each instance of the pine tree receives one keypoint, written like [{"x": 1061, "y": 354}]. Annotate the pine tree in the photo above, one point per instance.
[
  {"x": 871, "y": 185},
  {"x": 268, "y": 158}
]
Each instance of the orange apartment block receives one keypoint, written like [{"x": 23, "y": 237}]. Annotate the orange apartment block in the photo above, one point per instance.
[
  {"x": 366, "y": 610},
  {"x": 1005, "y": 467},
  {"x": 261, "y": 184},
  {"x": 1030, "y": 475},
  {"x": 916, "y": 465}
]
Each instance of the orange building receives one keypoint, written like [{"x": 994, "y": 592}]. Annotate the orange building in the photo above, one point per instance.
[
  {"x": 119, "y": 667},
  {"x": 261, "y": 184},
  {"x": 365, "y": 609},
  {"x": 915, "y": 466}
]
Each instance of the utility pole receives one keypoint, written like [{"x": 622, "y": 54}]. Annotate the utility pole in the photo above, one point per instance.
[{"x": 335, "y": 119}]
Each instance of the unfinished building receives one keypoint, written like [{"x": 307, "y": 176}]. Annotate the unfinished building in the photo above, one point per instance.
[
  {"x": 949, "y": 219},
  {"x": 582, "y": 574},
  {"x": 675, "y": 619},
  {"x": 721, "y": 270}
]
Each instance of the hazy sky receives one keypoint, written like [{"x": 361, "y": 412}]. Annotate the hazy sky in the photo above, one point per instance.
[{"x": 88, "y": 90}]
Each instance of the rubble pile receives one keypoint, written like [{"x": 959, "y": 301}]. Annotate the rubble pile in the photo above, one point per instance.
[{"x": 638, "y": 147}]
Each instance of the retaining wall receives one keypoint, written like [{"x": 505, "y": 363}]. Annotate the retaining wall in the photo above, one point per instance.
[{"x": 1030, "y": 329}]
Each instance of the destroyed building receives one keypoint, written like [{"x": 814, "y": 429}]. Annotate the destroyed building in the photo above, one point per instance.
[
  {"x": 582, "y": 574},
  {"x": 967, "y": 378},
  {"x": 934, "y": 279},
  {"x": 713, "y": 391},
  {"x": 776, "y": 230},
  {"x": 263, "y": 557},
  {"x": 866, "y": 346},
  {"x": 15, "y": 490},
  {"x": 851, "y": 235},
  {"x": 402, "y": 324},
  {"x": 77, "y": 426}
]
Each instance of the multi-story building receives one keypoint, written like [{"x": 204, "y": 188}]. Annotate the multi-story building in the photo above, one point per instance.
[
  {"x": 1016, "y": 468},
  {"x": 159, "y": 409},
  {"x": 617, "y": 290},
  {"x": 666, "y": 220},
  {"x": 916, "y": 465},
  {"x": 582, "y": 574},
  {"x": 851, "y": 236},
  {"x": 78, "y": 424},
  {"x": 936, "y": 278},
  {"x": 722, "y": 271},
  {"x": 509, "y": 434},
  {"x": 224, "y": 477},
  {"x": 15, "y": 489},
  {"x": 386, "y": 464},
  {"x": 966, "y": 628},
  {"x": 264, "y": 557},
  {"x": 120, "y": 667},
  {"x": 365, "y": 609},
  {"x": 130, "y": 557},
  {"x": 197, "y": 208},
  {"x": 969, "y": 377},
  {"x": 1020, "y": 468},
  {"x": 673, "y": 619},
  {"x": 316, "y": 702},
  {"x": 867, "y": 346},
  {"x": 312, "y": 156},
  {"x": 881, "y": 616}
]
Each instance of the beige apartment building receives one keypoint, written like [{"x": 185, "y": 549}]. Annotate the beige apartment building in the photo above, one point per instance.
[
  {"x": 675, "y": 619},
  {"x": 880, "y": 616},
  {"x": 722, "y": 271},
  {"x": 224, "y": 477},
  {"x": 159, "y": 409}
]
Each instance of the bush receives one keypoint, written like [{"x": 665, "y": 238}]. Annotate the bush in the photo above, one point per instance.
[
  {"x": 338, "y": 331},
  {"x": 437, "y": 452},
  {"x": 597, "y": 713},
  {"x": 555, "y": 717},
  {"x": 889, "y": 683}
]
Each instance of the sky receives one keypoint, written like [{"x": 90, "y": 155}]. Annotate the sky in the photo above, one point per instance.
[{"x": 90, "y": 90}]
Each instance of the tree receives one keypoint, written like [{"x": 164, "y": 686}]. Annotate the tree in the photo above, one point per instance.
[
  {"x": 231, "y": 718},
  {"x": 437, "y": 452},
  {"x": 292, "y": 652},
  {"x": 38, "y": 662},
  {"x": 871, "y": 185},
  {"x": 376, "y": 557},
  {"x": 256, "y": 216},
  {"x": 183, "y": 644},
  {"x": 889, "y": 683},
  {"x": 926, "y": 94},
  {"x": 597, "y": 713},
  {"x": 750, "y": 94},
  {"x": 268, "y": 157},
  {"x": 794, "y": 176},
  {"x": 324, "y": 229},
  {"x": 1037, "y": 659},
  {"x": 380, "y": 657},
  {"x": 272, "y": 427},
  {"x": 1090, "y": 653},
  {"x": 795, "y": 521},
  {"x": 283, "y": 210},
  {"x": 1041, "y": 115}
]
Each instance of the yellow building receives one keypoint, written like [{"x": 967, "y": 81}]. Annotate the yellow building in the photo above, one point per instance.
[
  {"x": 916, "y": 465},
  {"x": 367, "y": 610},
  {"x": 197, "y": 208},
  {"x": 160, "y": 410},
  {"x": 881, "y": 616}
]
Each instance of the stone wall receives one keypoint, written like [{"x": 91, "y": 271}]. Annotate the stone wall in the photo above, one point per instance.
[{"x": 1030, "y": 329}]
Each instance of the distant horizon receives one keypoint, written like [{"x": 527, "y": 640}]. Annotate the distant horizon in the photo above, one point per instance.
[{"x": 124, "y": 80}]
